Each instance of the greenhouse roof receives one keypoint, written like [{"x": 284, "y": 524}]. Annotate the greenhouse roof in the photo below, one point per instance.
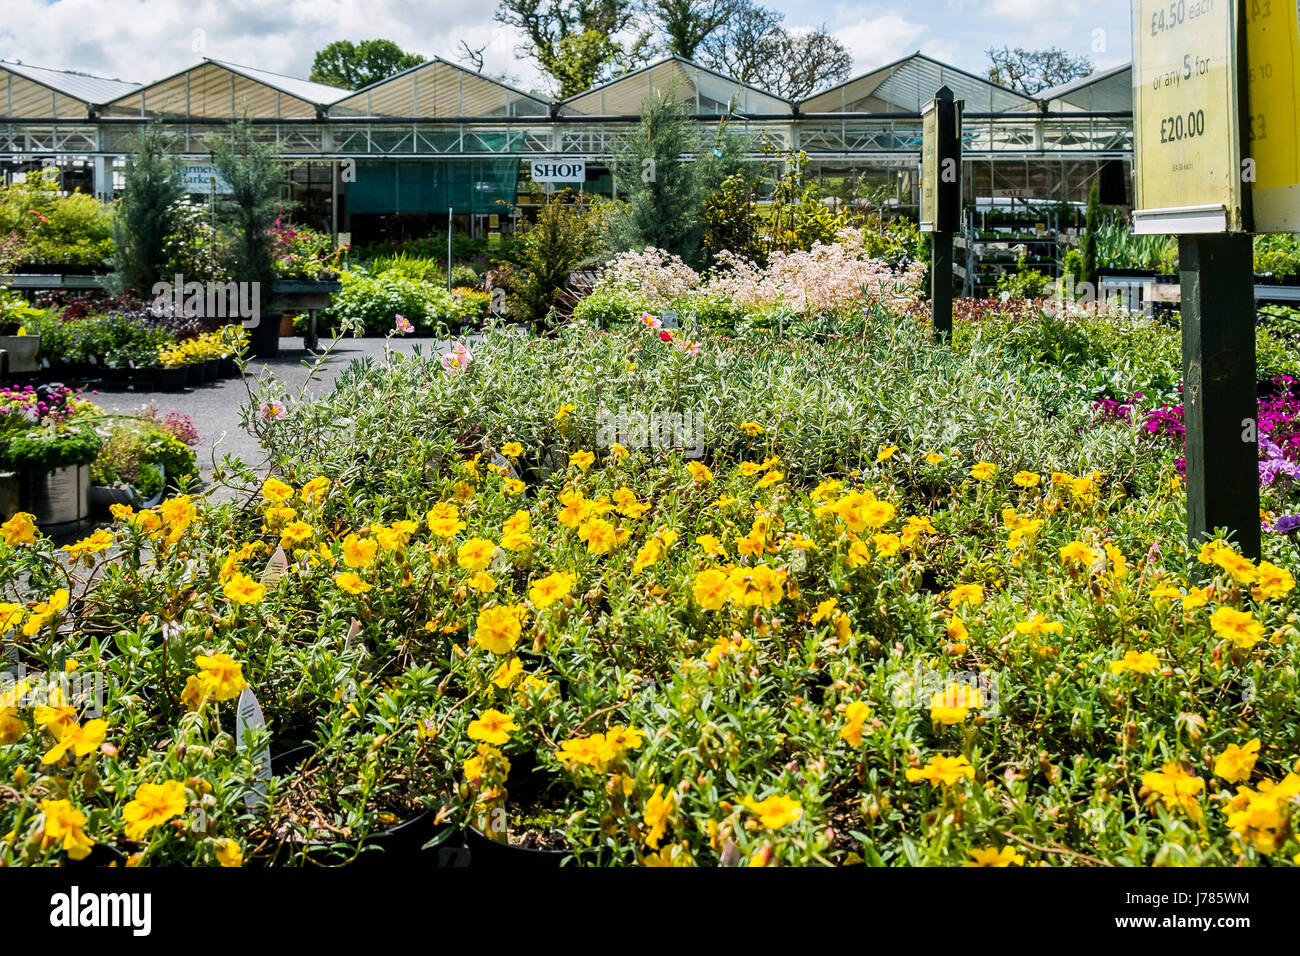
[
  {"x": 1105, "y": 90},
  {"x": 711, "y": 92},
  {"x": 437, "y": 88},
  {"x": 906, "y": 85},
  {"x": 216, "y": 89}
]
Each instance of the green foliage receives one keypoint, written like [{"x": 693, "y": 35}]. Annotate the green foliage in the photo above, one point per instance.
[
  {"x": 1088, "y": 241},
  {"x": 369, "y": 303},
  {"x": 49, "y": 448},
  {"x": 146, "y": 214},
  {"x": 731, "y": 220},
  {"x": 351, "y": 66},
  {"x": 564, "y": 238},
  {"x": 1278, "y": 254},
  {"x": 1023, "y": 283},
  {"x": 1119, "y": 248},
  {"x": 47, "y": 229},
  {"x": 664, "y": 170},
  {"x": 257, "y": 177}
]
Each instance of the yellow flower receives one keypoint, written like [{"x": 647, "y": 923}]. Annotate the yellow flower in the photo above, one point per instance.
[
  {"x": 1163, "y": 593},
  {"x": 991, "y": 857},
  {"x": 512, "y": 449},
  {"x": 771, "y": 478},
  {"x": 1076, "y": 552},
  {"x": 359, "y": 552},
  {"x": 1272, "y": 582},
  {"x": 956, "y": 630},
  {"x": 154, "y": 804},
  {"x": 934, "y": 458},
  {"x": 599, "y": 535},
  {"x": 1239, "y": 627},
  {"x": 475, "y": 554},
  {"x": 497, "y": 629},
  {"x": 20, "y": 529},
  {"x": 1175, "y": 787},
  {"x": 1195, "y": 597},
  {"x": 563, "y": 412},
  {"x": 80, "y": 740},
  {"x": 1138, "y": 663},
  {"x": 507, "y": 673},
  {"x": 1037, "y": 624},
  {"x": 942, "y": 771},
  {"x": 972, "y": 594},
  {"x": 121, "y": 512},
  {"x": 492, "y": 727},
  {"x": 1026, "y": 479},
  {"x": 887, "y": 545},
  {"x": 658, "y": 812},
  {"x": 952, "y": 704},
  {"x": 711, "y": 546},
  {"x": 315, "y": 490},
  {"x": 546, "y": 591},
  {"x": 775, "y": 811},
  {"x": 856, "y": 714},
  {"x": 273, "y": 489},
  {"x": 228, "y": 852},
  {"x": 699, "y": 473},
  {"x": 65, "y": 825},
  {"x": 712, "y": 588},
  {"x": 582, "y": 459},
  {"x": 351, "y": 582},
  {"x": 886, "y": 452},
  {"x": 222, "y": 676},
  {"x": 295, "y": 535},
  {"x": 241, "y": 589},
  {"x": 1236, "y": 764},
  {"x": 1240, "y": 569},
  {"x": 983, "y": 470},
  {"x": 751, "y": 428},
  {"x": 443, "y": 520},
  {"x": 93, "y": 544}
]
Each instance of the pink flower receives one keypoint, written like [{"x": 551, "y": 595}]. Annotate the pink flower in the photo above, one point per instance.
[
  {"x": 273, "y": 411},
  {"x": 452, "y": 363},
  {"x": 650, "y": 320},
  {"x": 403, "y": 326}
]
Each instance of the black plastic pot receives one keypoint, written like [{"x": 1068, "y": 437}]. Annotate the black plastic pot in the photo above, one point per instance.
[
  {"x": 486, "y": 852},
  {"x": 194, "y": 373},
  {"x": 210, "y": 370},
  {"x": 171, "y": 379},
  {"x": 142, "y": 379},
  {"x": 226, "y": 366}
]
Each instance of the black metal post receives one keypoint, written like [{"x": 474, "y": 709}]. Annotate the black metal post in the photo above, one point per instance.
[{"x": 1219, "y": 397}]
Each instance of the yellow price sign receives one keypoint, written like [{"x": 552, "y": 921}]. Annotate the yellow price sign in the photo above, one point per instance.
[
  {"x": 1187, "y": 143},
  {"x": 1273, "y": 135}
]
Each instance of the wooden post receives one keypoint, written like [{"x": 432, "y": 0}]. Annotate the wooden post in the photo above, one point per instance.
[
  {"x": 1219, "y": 399},
  {"x": 941, "y": 285}
]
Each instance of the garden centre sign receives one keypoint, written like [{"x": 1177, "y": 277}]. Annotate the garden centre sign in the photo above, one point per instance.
[
  {"x": 568, "y": 171},
  {"x": 1273, "y": 86},
  {"x": 1187, "y": 147},
  {"x": 1216, "y": 145},
  {"x": 198, "y": 178}
]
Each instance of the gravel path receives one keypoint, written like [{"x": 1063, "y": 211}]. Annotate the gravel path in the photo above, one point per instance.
[{"x": 214, "y": 408}]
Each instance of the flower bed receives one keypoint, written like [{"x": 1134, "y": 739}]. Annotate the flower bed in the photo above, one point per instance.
[{"x": 908, "y": 606}]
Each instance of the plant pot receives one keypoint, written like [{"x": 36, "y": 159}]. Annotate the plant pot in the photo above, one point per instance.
[
  {"x": 20, "y": 353},
  {"x": 142, "y": 379},
  {"x": 102, "y": 497},
  {"x": 9, "y": 495},
  {"x": 194, "y": 373},
  {"x": 171, "y": 379},
  {"x": 286, "y": 325},
  {"x": 56, "y": 497},
  {"x": 264, "y": 338},
  {"x": 486, "y": 852},
  {"x": 114, "y": 377},
  {"x": 226, "y": 366},
  {"x": 210, "y": 370}
]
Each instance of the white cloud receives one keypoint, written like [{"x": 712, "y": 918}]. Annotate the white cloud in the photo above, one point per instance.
[{"x": 877, "y": 40}]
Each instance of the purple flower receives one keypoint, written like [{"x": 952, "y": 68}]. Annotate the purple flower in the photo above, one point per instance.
[{"x": 1287, "y": 524}]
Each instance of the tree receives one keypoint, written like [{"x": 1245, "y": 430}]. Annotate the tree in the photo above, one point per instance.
[
  {"x": 800, "y": 64},
  {"x": 350, "y": 66},
  {"x": 1032, "y": 71},
  {"x": 472, "y": 55},
  {"x": 564, "y": 238},
  {"x": 1088, "y": 241},
  {"x": 571, "y": 40},
  {"x": 145, "y": 213},
  {"x": 664, "y": 171},
  {"x": 755, "y": 48},
  {"x": 256, "y": 176},
  {"x": 685, "y": 24}
]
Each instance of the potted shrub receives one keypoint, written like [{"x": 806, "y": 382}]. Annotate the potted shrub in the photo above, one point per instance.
[
  {"x": 20, "y": 348},
  {"x": 49, "y": 450},
  {"x": 127, "y": 470}
]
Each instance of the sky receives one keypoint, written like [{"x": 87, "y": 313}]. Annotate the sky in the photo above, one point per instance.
[{"x": 145, "y": 40}]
